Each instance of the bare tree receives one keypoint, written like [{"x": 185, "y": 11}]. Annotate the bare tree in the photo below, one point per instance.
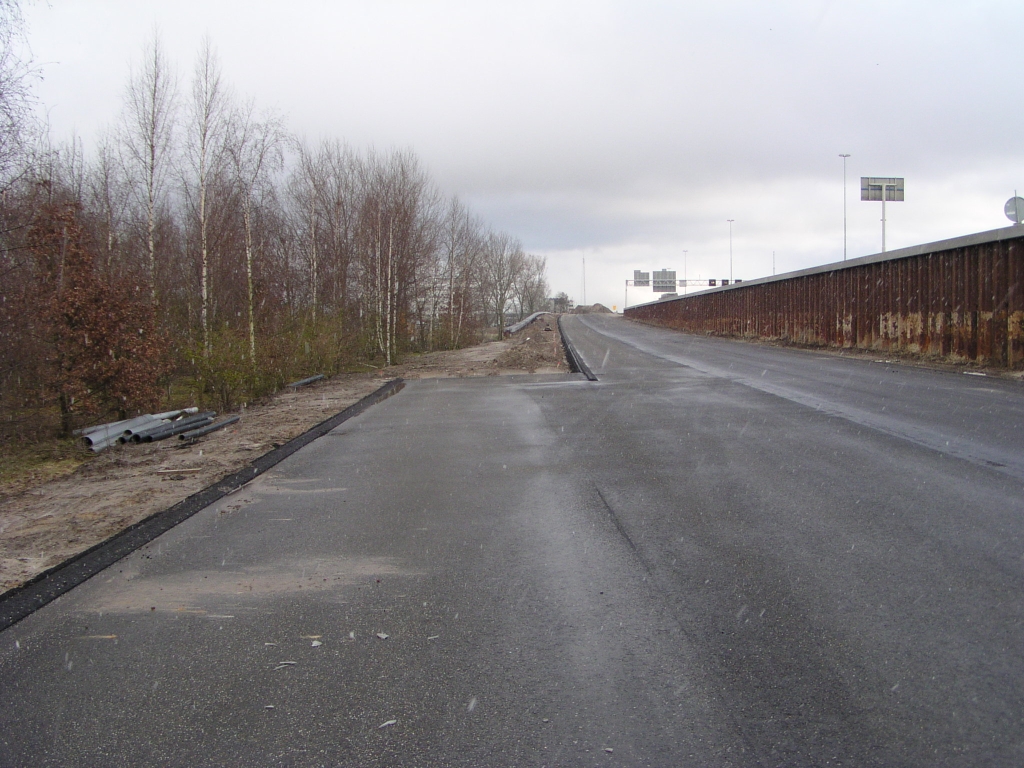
[
  {"x": 394, "y": 236},
  {"x": 305, "y": 191},
  {"x": 377, "y": 236},
  {"x": 531, "y": 287},
  {"x": 107, "y": 194},
  {"x": 16, "y": 99},
  {"x": 67, "y": 169},
  {"x": 146, "y": 132},
  {"x": 429, "y": 290},
  {"x": 256, "y": 149},
  {"x": 502, "y": 264},
  {"x": 326, "y": 190},
  {"x": 206, "y": 154},
  {"x": 461, "y": 242},
  {"x": 338, "y": 197},
  {"x": 352, "y": 254},
  {"x": 60, "y": 169}
]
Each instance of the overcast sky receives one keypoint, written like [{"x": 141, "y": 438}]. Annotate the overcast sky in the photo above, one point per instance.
[{"x": 622, "y": 132}]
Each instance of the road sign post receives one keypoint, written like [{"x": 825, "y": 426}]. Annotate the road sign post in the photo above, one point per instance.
[
  {"x": 881, "y": 188},
  {"x": 1014, "y": 209}
]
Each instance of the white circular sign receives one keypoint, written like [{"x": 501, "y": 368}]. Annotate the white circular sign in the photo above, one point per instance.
[{"x": 1014, "y": 209}]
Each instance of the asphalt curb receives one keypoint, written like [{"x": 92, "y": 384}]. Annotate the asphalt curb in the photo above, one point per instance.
[
  {"x": 17, "y": 603},
  {"x": 575, "y": 359}
]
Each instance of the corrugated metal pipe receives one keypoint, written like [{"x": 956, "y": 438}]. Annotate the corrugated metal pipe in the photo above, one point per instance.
[
  {"x": 177, "y": 427},
  {"x": 101, "y": 436},
  {"x": 510, "y": 329},
  {"x": 304, "y": 382},
  {"x": 96, "y": 427},
  {"x": 140, "y": 434}
]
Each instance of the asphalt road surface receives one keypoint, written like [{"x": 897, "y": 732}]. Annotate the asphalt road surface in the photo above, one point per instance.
[{"x": 717, "y": 554}]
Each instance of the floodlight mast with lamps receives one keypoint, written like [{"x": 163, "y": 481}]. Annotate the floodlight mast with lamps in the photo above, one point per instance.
[{"x": 844, "y": 206}]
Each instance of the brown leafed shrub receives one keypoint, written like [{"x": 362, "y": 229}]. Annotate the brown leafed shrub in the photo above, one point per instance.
[{"x": 105, "y": 352}]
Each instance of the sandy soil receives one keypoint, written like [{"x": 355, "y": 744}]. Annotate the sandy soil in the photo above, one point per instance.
[{"x": 44, "y": 522}]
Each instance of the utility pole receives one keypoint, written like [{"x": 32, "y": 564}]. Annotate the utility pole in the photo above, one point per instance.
[
  {"x": 730, "y": 249},
  {"x": 684, "y": 271}
]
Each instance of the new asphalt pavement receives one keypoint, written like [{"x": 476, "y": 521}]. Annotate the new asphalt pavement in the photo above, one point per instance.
[{"x": 717, "y": 554}]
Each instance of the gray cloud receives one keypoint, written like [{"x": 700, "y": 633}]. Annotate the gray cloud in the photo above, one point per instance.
[{"x": 629, "y": 130}]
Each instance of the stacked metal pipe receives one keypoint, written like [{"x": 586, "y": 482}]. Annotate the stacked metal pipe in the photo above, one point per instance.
[
  {"x": 168, "y": 429},
  {"x": 187, "y": 423},
  {"x": 101, "y": 436},
  {"x": 208, "y": 428}
]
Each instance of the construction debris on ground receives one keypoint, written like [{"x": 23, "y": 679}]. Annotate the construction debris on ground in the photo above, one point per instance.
[{"x": 186, "y": 423}]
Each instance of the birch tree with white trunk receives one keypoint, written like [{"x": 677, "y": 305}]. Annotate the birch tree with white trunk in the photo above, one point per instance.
[
  {"x": 460, "y": 240},
  {"x": 338, "y": 199},
  {"x": 305, "y": 190},
  {"x": 146, "y": 133},
  {"x": 17, "y": 102},
  {"x": 256, "y": 149},
  {"x": 205, "y": 157},
  {"x": 501, "y": 267},
  {"x": 108, "y": 193}
]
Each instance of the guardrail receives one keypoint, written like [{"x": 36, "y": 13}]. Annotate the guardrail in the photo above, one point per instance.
[
  {"x": 576, "y": 361},
  {"x": 523, "y": 323}
]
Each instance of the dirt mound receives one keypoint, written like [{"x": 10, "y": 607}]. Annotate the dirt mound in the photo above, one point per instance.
[
  {"x": 592, "y": 309},
  {"x": 537, "y": 348}
]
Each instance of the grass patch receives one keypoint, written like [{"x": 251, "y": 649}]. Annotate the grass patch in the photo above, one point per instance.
[{"x": 25, "y": 465}]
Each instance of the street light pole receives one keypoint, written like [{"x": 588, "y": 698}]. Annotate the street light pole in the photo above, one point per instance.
[
  {"x": 684, "y": 271},
  {"x": 730, "y": 249},
  {"x": 844, "y": 205}
]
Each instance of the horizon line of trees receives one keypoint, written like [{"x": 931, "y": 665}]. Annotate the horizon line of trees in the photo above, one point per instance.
[{"x": 200, "y": 252}]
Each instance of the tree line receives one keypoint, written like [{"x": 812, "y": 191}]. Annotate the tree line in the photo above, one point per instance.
[{"x": 199, "y": 251}]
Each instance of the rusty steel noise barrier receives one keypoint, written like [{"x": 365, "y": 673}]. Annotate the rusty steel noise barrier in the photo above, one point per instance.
[{"x": 960, "y": 300}]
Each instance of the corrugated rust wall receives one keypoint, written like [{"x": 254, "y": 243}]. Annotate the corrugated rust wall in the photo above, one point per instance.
[{"x": 960, "y": 299}]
